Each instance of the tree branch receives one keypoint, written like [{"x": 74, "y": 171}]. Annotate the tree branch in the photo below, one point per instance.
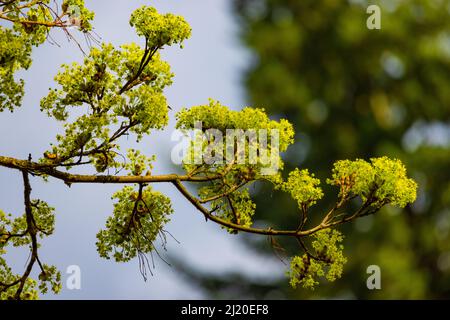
[
  {"x": 225, "y": 193},
  {"x": 68, "y": 178},
  {"x": 49, "y": 24},
  {"x": 176, "y": 180}
]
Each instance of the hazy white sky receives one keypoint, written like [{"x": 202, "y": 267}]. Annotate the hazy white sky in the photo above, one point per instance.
[{"x": 210, "y": 65}]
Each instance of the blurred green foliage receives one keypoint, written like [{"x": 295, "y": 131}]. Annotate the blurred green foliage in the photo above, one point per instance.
[{"x": 353, "y": 93}]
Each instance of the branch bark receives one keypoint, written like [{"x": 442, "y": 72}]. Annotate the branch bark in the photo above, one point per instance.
[{"x": 176, "y": 180}]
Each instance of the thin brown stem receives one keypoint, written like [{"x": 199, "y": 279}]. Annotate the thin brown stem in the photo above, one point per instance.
[{"x": 32, "y": 231}]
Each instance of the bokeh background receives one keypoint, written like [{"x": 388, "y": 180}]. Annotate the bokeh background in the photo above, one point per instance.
[
  {"x": 349, "y": 91},
  {"x": 353, "y": 92}
]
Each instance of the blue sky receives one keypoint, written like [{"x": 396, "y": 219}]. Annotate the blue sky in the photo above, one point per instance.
[{"x": 210, "y": 65}]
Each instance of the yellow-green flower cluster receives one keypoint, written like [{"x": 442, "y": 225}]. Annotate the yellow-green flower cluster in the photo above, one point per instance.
[
  {"x": 139, "y": 164},
  {"x": 17, "y": 41},
  {"x": 380, "y": 182},
  {"x": 217, "y": 116},
  {"x": 237, "y": 208},
  {"x": 158, "y": 29},
  {"x": 96, "y": 84},
  {"x": 134, "y": 225},
  {"x": 303, "y": 187},
  {"x": 326, "y": 261},
  {"x": 10, "y": 229}
]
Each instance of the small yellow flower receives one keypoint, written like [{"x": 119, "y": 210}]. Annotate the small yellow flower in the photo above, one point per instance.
[{"x": 50, "y": 156}]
